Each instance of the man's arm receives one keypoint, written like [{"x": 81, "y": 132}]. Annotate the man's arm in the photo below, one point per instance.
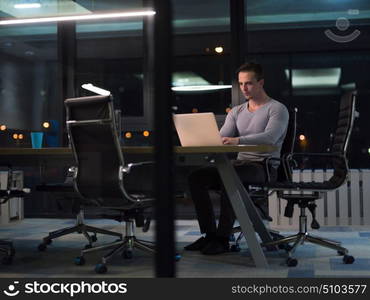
[{"x": 229, "y": 127}]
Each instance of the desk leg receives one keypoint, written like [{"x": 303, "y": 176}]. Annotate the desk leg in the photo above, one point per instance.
[
  {"x": 256, "y": 219},
  {"x": 244, "y": 210}
]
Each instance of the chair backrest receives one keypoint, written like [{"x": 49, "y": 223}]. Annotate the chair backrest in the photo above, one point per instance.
[
  {"x": 96, "y": 147},
  {"x": 287, "y": 148},
  {"x": 341, "y": 137}
]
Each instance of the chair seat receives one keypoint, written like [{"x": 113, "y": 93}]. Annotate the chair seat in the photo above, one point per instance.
[
  {"x": 326, "y": 185},
  {"x": 13, "y": 193}
]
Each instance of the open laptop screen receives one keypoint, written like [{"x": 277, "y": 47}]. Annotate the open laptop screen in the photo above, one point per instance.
[{"x": 197, "y": 129}]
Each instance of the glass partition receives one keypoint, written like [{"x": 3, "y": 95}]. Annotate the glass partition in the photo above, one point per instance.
[
  {"x": 28, "y": 81},
  {"x": 201, "y": 78}
]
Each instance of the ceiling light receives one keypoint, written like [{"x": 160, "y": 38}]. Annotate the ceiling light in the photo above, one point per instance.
[
  {"x": 195, "y": 88},
  {"x": 187, "y": 78},
  {"x": 92, "y": 88},
  {"x": 79, "y": 17},
  {"x": 29, "y": 4},
  {"x": 192, "y": 82},
  {"x": 219, "y": 49},
  {"x": 315, "y": 78}
]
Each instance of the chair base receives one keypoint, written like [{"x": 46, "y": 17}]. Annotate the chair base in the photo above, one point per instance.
[
  {"x": 80, "y": 227},
  {"x": 301, "y": 237},
  {"x": 123, "y": 246}
]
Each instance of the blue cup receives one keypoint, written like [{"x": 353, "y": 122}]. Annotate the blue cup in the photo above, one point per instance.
[{"x": 36, "y": 139}]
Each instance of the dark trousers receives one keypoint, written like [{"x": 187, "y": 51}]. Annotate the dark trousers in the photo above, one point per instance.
[{"x": 204, "y": 179}]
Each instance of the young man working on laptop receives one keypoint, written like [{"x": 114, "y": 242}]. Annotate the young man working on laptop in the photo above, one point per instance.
[{"x": 261, "y": 120}]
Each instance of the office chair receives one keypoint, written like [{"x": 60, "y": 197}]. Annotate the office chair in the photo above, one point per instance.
[
  {"x": 314, "y": 191},
  {"x": 6, "y": 246},
  {"x": 260, "y": 193},
  {"x": 100, "y": 172}
]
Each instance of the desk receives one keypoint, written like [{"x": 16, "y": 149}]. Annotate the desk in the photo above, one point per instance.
[{"x": 245, "y": 211}]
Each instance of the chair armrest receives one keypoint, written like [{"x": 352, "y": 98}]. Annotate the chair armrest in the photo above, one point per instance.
[
  {"x": 310, "y": 160},
  {"x": 286, "y": 161},
  {"x": 5, "y": 195},
  {"x": 267, "y": 169},
  {"x": 127, "y": 169}
]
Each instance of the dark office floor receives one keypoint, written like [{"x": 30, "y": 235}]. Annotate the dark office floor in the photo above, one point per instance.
[{"x": 58, "y": 259}]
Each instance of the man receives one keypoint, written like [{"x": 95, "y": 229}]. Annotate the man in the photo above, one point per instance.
[{"x": 261, "y": 120}]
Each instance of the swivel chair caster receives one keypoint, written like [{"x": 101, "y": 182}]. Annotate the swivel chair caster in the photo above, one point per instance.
[
  {"x": 348, "y": 259},
  {"x": 43, "y": 245},
  {"x": 101, "y": 269},
  {"x": 291, "y": 262},
  {"x": 79, "y": 261}
]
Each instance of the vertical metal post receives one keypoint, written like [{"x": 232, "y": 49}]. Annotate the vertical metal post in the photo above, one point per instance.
[
  {"x": 238, "y": 45},
  {"x": 148, "y": 65},
  {"x": 164, "y": 209},
  {"x": 67, "y": 49}
]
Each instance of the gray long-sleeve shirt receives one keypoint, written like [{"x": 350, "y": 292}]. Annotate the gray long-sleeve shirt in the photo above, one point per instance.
[{"x": 266, "y": 125}]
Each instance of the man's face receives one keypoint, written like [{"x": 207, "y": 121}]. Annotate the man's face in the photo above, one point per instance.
[{"x": 249, "y": 85}]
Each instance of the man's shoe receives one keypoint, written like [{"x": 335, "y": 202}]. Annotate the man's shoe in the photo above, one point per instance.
[
  {"x": 216, "y": 246},
  {"x": 199, "y": 244}
]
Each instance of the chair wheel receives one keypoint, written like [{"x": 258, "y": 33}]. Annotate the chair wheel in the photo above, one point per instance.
[
  {"x": 291, "y": 262},
  {"x": 235, "y": 248},
  {"x": 127, "y": 254},
  {"x": 348, "y": 259},
  {"x": 94, "y": 238},
  {"x": 101, "y": 269},
  {"x": 88, "y": 246},
  {"x": 177, "y": 256},
  {"x": 79, "y": 261},
  {"x": 341, "y": 253},
  {"x": 42, "y": 247},
  {"x": 7, "y": 260}
]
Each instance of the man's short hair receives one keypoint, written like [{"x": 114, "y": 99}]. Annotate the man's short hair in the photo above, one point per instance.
[{"x": 251, "y": 67}]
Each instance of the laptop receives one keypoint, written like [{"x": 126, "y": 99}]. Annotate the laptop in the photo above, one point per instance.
[{"x": 197, "y": 129}]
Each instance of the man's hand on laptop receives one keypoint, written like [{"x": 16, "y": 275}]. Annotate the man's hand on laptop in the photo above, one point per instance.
[{"x": 230, "y": 140}]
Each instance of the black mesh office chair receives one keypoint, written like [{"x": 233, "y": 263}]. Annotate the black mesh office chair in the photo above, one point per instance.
[
  {"x": 6, "y": 246},
  {"x": 314, "y": 190},
  {"x": 260, "y": 193},
  {"x": 100, "y": 171}
]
